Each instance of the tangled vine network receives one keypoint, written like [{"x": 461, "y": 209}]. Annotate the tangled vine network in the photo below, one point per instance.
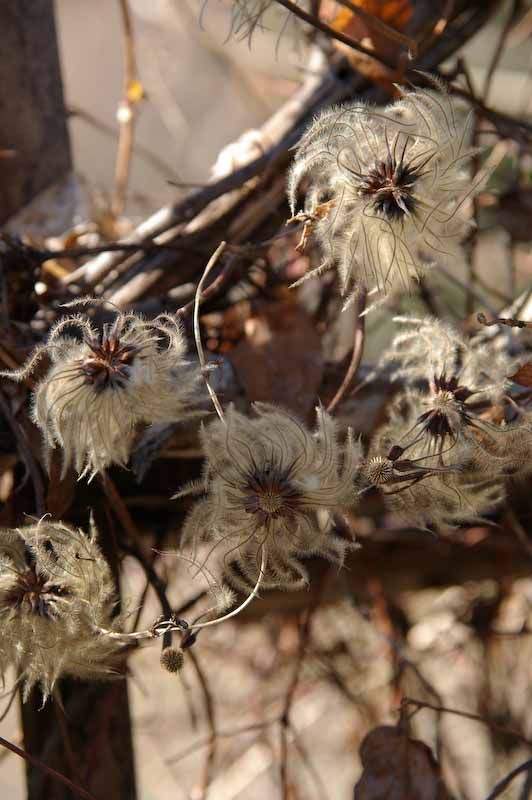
[{"x": 377, "y": 186}]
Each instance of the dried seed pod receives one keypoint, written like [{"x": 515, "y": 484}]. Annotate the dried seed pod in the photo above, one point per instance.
[
  {"x": 425, "y": 484},
  {"x": 56, "y": 593},
  {"x": 98, "y": 391},
  {"x": 393, "y": 181},
  {"x": 452, "y": 389},
  {"x": 266, "y": 480},
  {"x": 172, "y": 659}
]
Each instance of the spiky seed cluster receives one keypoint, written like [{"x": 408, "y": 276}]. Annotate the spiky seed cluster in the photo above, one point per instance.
[
  {"x": 172, "y": 659},
  {"x": 99, "y": 389},
  {"x": 393, "y": 180},
  {"x": 451, "y": 389},
  {"x": 427, "y": 487},
  {"x": 266, "y": 480},
  {"x": 440, "y": 456},
  {"x": 56, "y": 591}
]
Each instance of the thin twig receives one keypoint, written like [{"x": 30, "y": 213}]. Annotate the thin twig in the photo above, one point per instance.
[
  {"x": 499, "y": 49},
  {"x": 324, "y": 28},
  {"x": 26, "y": 455},
  {"x": 212, "y": 289},
  {"x": 122, "y": 512},
  {"x": 60, "y": 716},
  {"x": 12, "y": 363},
  {"x": 254, "y": 726},
  {"x": 126, "y": 112},
  {"x": 497, "y": 790},
  {"x": 211, "y": 720},
  {"x": 468, "y": 715},
  {"x": 45, "y": 768},
  {"x": 308, "y": 763},
  {"x": 304, "y": 634},
  {"x": 254, "y": 593},
  {"x": 380, "y": 27},
  {"x": 164, "y": 169},
  {"x": 197, "y": 334},
  {"x": 356, "y": 357}
]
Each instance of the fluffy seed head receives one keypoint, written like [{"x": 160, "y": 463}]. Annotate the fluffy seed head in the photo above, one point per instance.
[
  {"x": 270, "y": 483},
  {"x": 395, "y": 180},
  {"x": 426, "y": 482},
  {"x": 451, "y": 389},
  {"x": 56, "y": 591},
  {"x": 101, "y": 386}
]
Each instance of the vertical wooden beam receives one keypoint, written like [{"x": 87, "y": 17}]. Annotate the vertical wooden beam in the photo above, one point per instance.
[
  {"x": 32, "y": 112},
  {"x": 92, "y": 746},
  {"x": 91, "y": 743}
]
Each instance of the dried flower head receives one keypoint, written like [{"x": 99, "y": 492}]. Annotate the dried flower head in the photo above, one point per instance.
[
  {"x": 56, "y": 592},
  {"x": 386, "y": 188},
  {"x": 270, "y": 488},
  {"x": 452, "y": 388},
  {"x": 424, "y": 482},
  {"x": 100, "y": 388}
]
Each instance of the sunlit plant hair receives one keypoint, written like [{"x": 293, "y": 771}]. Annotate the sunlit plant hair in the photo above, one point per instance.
[
  {"x": 248, "y": 16},
  {"x": 103, "y": 384},
  {"x": 385, "y": 188},
  {"x": 430, "y": 489},
  {"x": 56, "y": 592},
  {"x": 451, "y": 387},
  {"x": 270, "y": 488}
]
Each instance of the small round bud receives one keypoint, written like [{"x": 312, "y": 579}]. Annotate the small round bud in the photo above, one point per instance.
[{"x": 172, "y": 659}]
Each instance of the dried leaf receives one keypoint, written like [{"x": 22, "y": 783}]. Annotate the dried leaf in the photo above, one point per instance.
[
  {"x": 280, "y": 360},
  {"x": 397, "y": 767},
  {"x": 378, "y": 27},
  {"x": 523, "y": 376}
]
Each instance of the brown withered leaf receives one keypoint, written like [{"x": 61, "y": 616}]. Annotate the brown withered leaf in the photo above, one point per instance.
[
  {"x": 397, "y": 767},
  {"x": 280, "y": 359},
  {"x": 523, "y": 376},
  {"x": 378, "y": 26}
]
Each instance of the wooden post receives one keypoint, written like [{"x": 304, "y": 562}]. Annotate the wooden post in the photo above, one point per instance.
[
  {"x": 91, "y": 742},
  {"x": 33, "y": 127}
]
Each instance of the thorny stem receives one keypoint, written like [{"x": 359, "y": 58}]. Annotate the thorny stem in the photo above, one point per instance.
[{"x": 197, "y": 335}]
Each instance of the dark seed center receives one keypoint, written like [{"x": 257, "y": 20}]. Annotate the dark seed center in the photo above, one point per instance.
[
  {"x": 447, "y": 395},
  {"x": 390, "y": 185},
  {"x": 35, "y": 593},
  {"x": 271, "y": 495},
  {"x": 109, "y": 363}
]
